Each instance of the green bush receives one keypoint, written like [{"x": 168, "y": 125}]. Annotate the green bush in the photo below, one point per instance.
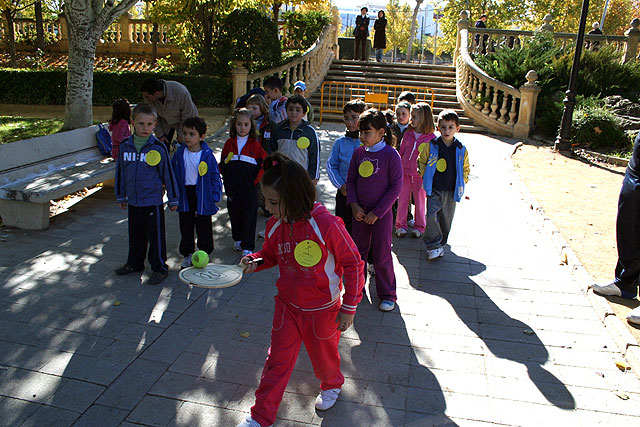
[
  {"x": 249, "y": 35},
  {"x": 303, "y": 29},
  {"x": 596, "y": 127},
  {"x": 49, "y": 87}
]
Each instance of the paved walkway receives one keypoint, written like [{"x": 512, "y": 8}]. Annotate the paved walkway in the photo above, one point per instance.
[{"x": 494, "y": 333}]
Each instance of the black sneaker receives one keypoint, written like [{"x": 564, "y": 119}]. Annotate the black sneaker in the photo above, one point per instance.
[
  {"x": 127, "y": 269},
  {"x": 157, "y": 277}
]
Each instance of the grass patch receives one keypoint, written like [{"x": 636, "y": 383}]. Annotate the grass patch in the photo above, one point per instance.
[{"x": 19, "y": 128}]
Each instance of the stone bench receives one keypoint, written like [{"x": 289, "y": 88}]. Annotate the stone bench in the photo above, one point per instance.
[{"x": 35, "y": 171}]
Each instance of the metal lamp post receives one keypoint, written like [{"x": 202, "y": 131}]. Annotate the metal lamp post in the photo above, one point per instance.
[{"x": 563, "y": 141}]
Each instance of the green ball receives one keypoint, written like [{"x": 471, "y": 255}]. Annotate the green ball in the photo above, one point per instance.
[{"x": 200, "y": 259}]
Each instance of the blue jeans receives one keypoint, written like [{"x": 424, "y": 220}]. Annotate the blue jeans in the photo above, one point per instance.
[
  {"x": 441, "y": 207},
  {"x": 379, "y": 53}
]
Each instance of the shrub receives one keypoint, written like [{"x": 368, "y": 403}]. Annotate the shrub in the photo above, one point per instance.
[
  {"x": 594, "y": 126},
  {"x": 249, "y": 35},
  {"x": 49, "y": 87},
  {"x": 303, "y": 29}
]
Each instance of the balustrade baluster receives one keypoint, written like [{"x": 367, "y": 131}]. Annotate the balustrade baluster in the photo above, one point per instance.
[
  {"x": 494, "y": 105},
  {"x": 503, "y": 110},
  {"x": 481, "y": 90},
  {"x": 487, "y": 96},
  {"x": 513, "y": 112},
  {"x": 474, "y": 89}
]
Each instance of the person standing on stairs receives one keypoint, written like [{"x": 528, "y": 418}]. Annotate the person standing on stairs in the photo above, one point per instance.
[{"x": 361, "y": 34}]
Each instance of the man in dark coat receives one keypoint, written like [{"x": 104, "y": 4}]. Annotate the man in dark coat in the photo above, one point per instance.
[
  {"x": 380, "y": 36},
  {"x": 481, "y": 23},
  {"x": 361, "y": 34}
]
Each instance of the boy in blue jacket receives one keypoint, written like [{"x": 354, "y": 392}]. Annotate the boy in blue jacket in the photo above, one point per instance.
[
  {"x": 143, "y": 172},
  {"x": 199, "y": 188}
]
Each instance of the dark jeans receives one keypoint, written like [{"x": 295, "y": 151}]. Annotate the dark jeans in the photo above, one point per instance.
[
  {"x": 361, "y": 48},
  {"x": 243, "y": 214},
  {"x": 344, "y": 211},
  {"x": 146, "y": 226},
  {"x": 628, "y": 236},
  {"x": 440, "y": 210},
  {"x": 190, "y": 221}
]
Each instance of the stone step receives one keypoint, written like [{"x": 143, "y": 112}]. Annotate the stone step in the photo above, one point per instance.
[
  {"x": 376, "y": 71},
  {"x": 397, "y": 79},
  {"x": 439, "y": 103},
  {"x": 393, "y": 65},
  {"x": 440, "y": 90}
]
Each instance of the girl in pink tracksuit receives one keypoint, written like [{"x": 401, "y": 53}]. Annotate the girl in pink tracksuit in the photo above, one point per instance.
[
  {"x": 417, "y": 137},
  {"x": 316, "y": 257}
]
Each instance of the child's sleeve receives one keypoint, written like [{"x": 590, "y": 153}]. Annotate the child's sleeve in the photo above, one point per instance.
[
  {"x": 267, "y": 253},
  {"x": 223, "y": 156},
  {"x": 333, "y": 165},
  {"x": 261, "y": 155},
  {"x": 466, "y": 169},
  {"x": 352, "y": 180},
  {"x": 346, "y": 254},
  {"x": 169, "y": 178},
  {"x": 423, "y": 158},
  {"x": 314, "y": 155},
  {"x": 121, "y": 194},
  {"x": 395, "y": 186},
  {"x": 214, "y": 176}
]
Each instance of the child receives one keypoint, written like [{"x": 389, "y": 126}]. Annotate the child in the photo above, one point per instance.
[
  {"x": 273, "y": 88},
  {"x": 119, "y": 124},
  {"x": 444, "y": 167},
  {"x": 260, "y": 113},
  {"x": 403, "y": 113},
  {"x": 407, "y": 96},
  {"x": 241, "y": 168},
  {"x": 374, "y": 182},
  {"x": 142, "y": 170},
  {"x": 340, "y": 157},
  {"x": 297, "y": 139},
  {"x": 199, "y": 187},
  {"x": 420, "y": 133},
  {"x": 316, "y": 257},
  {"x": 300, "y": 88}
]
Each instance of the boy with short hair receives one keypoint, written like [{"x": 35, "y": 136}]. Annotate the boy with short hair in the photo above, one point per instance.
[
  {"x": 340, "y": 158},
  {"x": 407, "y": 96},
  {"x": 199, "y": 189},
  {"x": 300, "y": 88},
  {"x": 143, "y": 172},
  {"x": 297, "y": 139},
  {"x": 273, "y": 92},
  {"x": 444, "y": 167}
]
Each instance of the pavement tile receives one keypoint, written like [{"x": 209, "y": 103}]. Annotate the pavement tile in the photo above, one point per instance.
[
  {"x": 127, "y": 390},
  {"x": 50, "y": 417},
  {"x": 15, "y": 411},
  {"x": 235, "y": 371},
  {"x": 193, "y": 364},
  {"x": 195, "y": 414},
  {"x": 122, "y": 351},
  {"x": 75, "y": 395},
  {"x": 352, "y": 414},
  {"x": 171, "y": 343},
  {"x": 155, "y": 411},
  {"x": 385, "y": 395},
  {"x": 85, "y": 368},
  {"x": 101, "y": 416},
  {"x": 194, "y": 389}
]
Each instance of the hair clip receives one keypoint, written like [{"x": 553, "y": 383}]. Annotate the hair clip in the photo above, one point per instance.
[{"x": 274, "y": 163}]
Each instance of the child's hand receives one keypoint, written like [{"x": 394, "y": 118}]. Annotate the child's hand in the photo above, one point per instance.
[
  {"x": 249, "y": 265},
  {"x": 123, "y": 205},
  {"x": 343, "y": 189},
  {"x": 344, "y": 321},
  {"x": 370, "y": 218},
  {"x": 173, "y": 208},
  {"x": 358, "y": 212}
]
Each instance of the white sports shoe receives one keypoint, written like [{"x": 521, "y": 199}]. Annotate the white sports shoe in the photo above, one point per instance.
[
  {"x": 401, "y": 232},
  {"x": 327, "y": 398},
  {"x": 250, "y": 422},
  {"x": 411, "y": 223},
  {"x": 387, "y": 305},
  {"x": 435, "y": 253},
  {"x": 237, "y": 246},
  {"x": 634, "y": 316},
  {"x": 416, "y": 233},
  {"x": 246, "y": 252},
  {"x": 186, "y": 263},
  {"x": 609, "y": 289}
]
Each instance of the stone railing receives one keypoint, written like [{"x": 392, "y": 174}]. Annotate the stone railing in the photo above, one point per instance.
[
  {"x": 125, "y": 36},
  {"x": 311, "y": 67},
  {"x": 501, "y": 108}
]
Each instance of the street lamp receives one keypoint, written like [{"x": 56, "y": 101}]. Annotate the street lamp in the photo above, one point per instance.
[{"x": 563, "y": 141}]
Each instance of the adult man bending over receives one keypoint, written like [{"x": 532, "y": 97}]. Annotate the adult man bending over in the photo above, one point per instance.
[{"x": 173, "y": 103}]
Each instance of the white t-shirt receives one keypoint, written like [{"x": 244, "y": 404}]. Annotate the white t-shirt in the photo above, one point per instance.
[
  {"x": 242, "y": 141},
  {"x": 191, "y": 163}
]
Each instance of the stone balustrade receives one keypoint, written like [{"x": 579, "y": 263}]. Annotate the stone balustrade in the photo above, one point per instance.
[
  {"x": 125, "y": 36},
  {"x": 311, "y": 67}
]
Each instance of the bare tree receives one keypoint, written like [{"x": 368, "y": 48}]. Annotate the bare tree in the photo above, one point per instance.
[
  {"x": 413, "y": 28},
  {"x": 87, "y": 20}
]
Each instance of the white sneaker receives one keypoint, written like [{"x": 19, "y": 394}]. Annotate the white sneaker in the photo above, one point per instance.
[
  {"x": 609, "y": 289},
  {"x": 237, "y": 246},
  {"x": 387, "y": 305},
  {"x": 246, "y": 252},
  {"x": 634, "y": 316},
  {"x": 327, "y": 398},
  {"x": 250, "y": 422},
  {"x": 411, "y": 223},
  {"x": 416, "y": 233},
  {"x": 186, "y": 263},
  {"x": 401, "y": 232},
  {"x": 261, "y": 233},
  {"x": 435, "y": 253}
]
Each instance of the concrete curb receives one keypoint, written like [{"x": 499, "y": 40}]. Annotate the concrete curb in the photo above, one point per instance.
[{"x": 614, "y": 325}]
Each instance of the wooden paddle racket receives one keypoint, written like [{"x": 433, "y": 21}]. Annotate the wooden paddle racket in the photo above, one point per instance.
[{"x": 215, "y": 276}]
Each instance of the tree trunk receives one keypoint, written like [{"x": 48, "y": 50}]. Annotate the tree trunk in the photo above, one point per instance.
[
  {"x": 11, "y": 36},
  {"x": 78, "y": 110},
  {"x": 39, "y": 25},
  {"x": 207, "y": 42},
  {"x": 413, "y": 29},
  {"x": 276, "y": 11},
  {"x": 155, "y": 36}
]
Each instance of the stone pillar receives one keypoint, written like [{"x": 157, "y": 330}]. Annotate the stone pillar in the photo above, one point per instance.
[
  {"x": 547, "y": 24},
  {"x": 528, "y": 100},
  {"x": 463, "y": 24},
  {"x": 240, "y": 75},
  {"x": 337, "y": 24},
  {"x": 62, "y": 45},
  {"x": 124, "y": 44},
  {"x": 633, "y": 38}
]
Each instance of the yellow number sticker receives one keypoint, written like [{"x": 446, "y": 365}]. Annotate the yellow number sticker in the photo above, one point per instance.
[
  {"x": 441, "y": 166},
  {"x": 153, "y": 158},
  {"x": 303, "y": 143},
  {"x": 307, "y": 253},
  {"x": 229, "y": 157},
  {"x": 203, "y": 168},
  {"x": 365, "y": 169}
]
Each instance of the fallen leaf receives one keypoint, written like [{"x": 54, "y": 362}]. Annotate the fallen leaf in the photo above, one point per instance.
[
  {"x": 116, "y": 303},
  {"x": 622, "y": 366},
  {"x": 622, "y": 395},
  {"x": 244, "y": 334}
]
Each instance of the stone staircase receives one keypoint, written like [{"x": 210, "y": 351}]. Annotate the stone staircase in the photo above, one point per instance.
[{"x": 440, "y": 78}]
